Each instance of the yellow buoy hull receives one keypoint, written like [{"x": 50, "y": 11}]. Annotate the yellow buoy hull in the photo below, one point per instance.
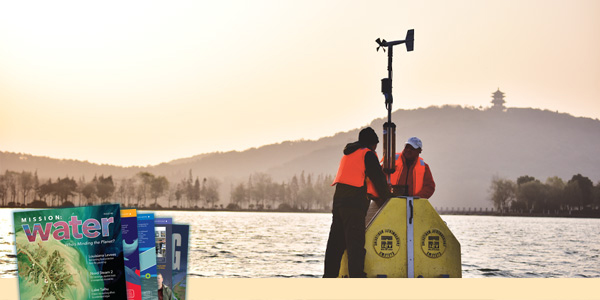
[{"x": 435, "y": 250}]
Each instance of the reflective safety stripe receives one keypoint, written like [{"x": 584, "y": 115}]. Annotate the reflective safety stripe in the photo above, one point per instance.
[
  {"x": 410, "y": 249},
  {"x": 352, "y": 168}
]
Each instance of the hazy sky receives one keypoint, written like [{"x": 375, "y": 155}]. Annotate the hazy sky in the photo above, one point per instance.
[{"x": 143, "y": 82}]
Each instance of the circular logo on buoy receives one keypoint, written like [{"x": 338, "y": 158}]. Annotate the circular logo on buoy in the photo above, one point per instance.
[
  {"x": 386, "y": 243},
  {"x": 433, "y": 243}
]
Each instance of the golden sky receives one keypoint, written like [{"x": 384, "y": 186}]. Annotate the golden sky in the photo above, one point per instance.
[{"x": 144, "y": 82}]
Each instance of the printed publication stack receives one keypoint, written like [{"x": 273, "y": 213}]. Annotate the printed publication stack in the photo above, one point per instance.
[{"x": 100, "y": 252}]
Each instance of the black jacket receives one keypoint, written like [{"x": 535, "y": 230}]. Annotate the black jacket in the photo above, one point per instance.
[{"x": 347, "y": 195}]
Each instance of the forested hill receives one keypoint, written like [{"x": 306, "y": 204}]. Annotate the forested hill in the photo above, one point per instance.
[{"x": 465, "y": 148}]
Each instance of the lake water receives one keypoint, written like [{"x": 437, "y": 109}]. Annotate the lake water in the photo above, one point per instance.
[{"x": 271, "y": 245}]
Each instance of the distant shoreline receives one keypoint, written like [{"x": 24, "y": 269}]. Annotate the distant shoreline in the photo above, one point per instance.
[
  {"x": 575, "y": 214},
  {"x": 594, "y": 214}
]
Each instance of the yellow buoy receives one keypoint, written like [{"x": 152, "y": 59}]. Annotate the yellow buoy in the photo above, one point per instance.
[{"x": 407, "y": 238}]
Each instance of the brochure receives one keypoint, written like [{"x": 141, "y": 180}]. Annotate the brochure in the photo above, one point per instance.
[
  {"x": 70, "y": 253},
  {"x": 181, "y": 235},
  {"x": 131, "y": 253},
  {"x": 164, "y": 249},
  {"x": 147, "y": 248}
]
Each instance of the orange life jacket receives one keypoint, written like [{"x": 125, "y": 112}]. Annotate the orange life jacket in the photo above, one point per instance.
[
  {"x": 371, "y": 189},
  {"x": 352, "y": 168},
  {"x": 417, "y": 175}
]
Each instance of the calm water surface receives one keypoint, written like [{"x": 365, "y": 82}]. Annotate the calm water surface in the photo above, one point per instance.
[{"x": 258, "y": 245}]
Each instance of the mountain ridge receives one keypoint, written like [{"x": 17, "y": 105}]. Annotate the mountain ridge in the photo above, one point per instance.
[{"x": 465, "y": 147}]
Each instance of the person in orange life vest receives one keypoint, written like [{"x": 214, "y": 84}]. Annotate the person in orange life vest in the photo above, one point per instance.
[
  {"x": 350, "y": 204},
  {"x": 416, "y": 179}
]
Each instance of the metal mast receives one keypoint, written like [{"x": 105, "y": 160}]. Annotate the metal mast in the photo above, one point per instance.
[{"x": 389, "y": 128}]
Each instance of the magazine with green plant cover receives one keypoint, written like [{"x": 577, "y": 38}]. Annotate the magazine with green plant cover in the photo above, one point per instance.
[{"x": 70, "y": 253}]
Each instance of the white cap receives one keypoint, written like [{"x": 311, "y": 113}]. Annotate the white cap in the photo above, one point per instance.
[{"x": 415, "y": 142}]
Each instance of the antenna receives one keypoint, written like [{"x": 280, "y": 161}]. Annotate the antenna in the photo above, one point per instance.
[{"x": 389, "y": 128}]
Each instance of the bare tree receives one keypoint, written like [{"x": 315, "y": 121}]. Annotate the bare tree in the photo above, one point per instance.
[
  {"x": 239, "y": 195},
  {"x": 145, "y": 179},
  {"x": 211, "y": 191},
  {"x": 503, "y": 192},
  {"x": 158, "y": 187},
  {"x": 3, "y": 189},
  {"x": 10, "y": 178},
  {"x": 105, "y": 188}
]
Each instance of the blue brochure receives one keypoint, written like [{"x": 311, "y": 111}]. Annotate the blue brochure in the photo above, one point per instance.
[
  {"x": 181, "y": 235},
  {"x": 147, "y": 245},
  {"x": 164, "y": 251}
]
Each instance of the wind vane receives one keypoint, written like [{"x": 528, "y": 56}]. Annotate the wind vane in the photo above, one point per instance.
[{"x": 389, "y": 128}]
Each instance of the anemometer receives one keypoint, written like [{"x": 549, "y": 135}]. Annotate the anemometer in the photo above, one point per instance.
[{"x": 389, "y": 128}]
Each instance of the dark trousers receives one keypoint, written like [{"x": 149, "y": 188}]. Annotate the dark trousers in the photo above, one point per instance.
[{"x": 347, "y": 233}]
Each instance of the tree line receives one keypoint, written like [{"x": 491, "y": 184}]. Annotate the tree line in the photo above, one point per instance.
[
  {"x": 24, "y": 189},
  {"x": 146, "y": 190},
  {"x": 300, "y": 193},
  {"x": 554, "y": 196}
]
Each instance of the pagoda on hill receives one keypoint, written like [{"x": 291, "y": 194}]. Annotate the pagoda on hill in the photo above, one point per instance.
[{"x": 498, "y": 101}]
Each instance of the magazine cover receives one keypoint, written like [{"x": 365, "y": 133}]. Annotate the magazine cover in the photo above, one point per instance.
[
  {"x": 70, "y": 253},
  {"x": 147, "y": 248},
  {"x": 131, "y": 253},
  {"x": 164, "y": 258},
  {"x": 180, "y": 239}
]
